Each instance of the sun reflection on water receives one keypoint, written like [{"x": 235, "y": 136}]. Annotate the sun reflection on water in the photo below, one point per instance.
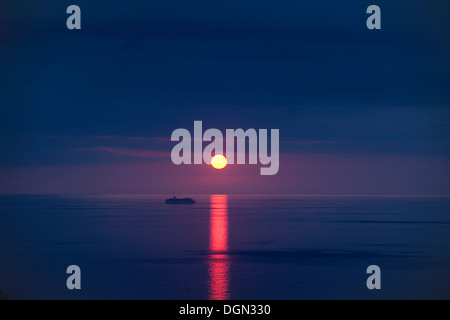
[{"x": 219, "y": 264}]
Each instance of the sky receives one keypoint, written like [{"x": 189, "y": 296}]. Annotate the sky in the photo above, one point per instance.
[{"x": 91, "y": 111}]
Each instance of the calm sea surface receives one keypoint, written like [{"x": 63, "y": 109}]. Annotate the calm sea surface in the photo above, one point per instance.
[{"x": 225, "y": 247}]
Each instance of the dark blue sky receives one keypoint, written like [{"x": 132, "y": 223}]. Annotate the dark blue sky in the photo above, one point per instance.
[{"x": 111, "y": 93}]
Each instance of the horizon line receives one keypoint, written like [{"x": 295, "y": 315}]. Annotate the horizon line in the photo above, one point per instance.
[{"x": 231, "y": 194}]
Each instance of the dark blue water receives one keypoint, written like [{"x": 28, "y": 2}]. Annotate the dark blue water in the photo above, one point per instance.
[{"x": 225, "y": 247}]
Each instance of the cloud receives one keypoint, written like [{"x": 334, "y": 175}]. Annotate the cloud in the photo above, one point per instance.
[
  {"x": 134, "y": 153},
  {"x": 311, "y": 142},
  {"x": 362, "y": 174}
]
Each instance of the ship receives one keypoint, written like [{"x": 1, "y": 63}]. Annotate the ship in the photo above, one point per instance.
[{"x": 176, "y": 200}]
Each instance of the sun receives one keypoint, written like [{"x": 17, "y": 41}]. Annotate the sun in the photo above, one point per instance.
[{"x": 219, "y": 161}]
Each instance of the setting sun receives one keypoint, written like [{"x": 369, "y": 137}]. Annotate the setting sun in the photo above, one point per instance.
[{"x": 219, "y": 161}]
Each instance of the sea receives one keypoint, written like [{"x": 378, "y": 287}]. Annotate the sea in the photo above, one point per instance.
[{"x": 225, "y": 247}]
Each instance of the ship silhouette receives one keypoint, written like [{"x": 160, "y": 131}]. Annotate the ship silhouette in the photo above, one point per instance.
[{"x": 176, "y": 200}]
